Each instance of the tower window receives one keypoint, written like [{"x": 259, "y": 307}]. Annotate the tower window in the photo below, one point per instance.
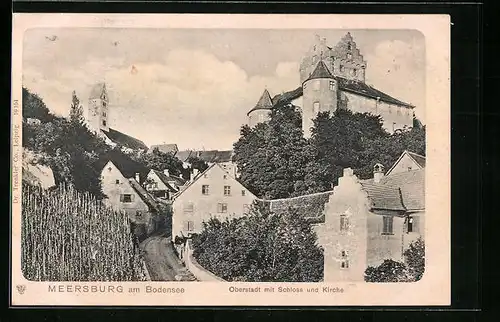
[
  {"x": 104, "y": 122},
  {"x": 104, "y": 104},
  {"x": 344, "y": 222},
  {"x": 344, "y": 262},
  {"x": 332, "y": 86},
  {"x": 315, "y": 107},
  {"x": 104, "y": 114}
]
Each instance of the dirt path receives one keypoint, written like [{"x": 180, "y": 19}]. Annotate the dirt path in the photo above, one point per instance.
[{"x": 162, "y": 262}]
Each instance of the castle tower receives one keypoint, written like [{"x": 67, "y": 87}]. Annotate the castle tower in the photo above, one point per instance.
[
  {"x": 348, "y": 61},
  {"x": 260, "y": 112},
  {"x": 319, "y": 95},
  {"x": 98, "y": 110},
  {"x": 318, "y": 51}
]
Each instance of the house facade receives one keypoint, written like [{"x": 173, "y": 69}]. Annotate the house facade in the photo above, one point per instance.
[
  {"x": 126, "y": 194},
  {"x": 163, "y": 185},
  {"x": 332, "y": 78},
  {"x": 368, "y": 221},
  {"x": 213, "y": 193}
]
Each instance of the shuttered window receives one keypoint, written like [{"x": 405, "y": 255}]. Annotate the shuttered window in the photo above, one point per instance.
[
  {"x": 188, "y": 207},
  {"x": 222, "y": 207},
  {"x": 387, "y": 225},
  {"x": 188, "y": 225},
  {"x": 126, "y": 198}
]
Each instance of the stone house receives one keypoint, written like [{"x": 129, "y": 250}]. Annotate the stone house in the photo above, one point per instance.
[
  {"x": 368, "y": 221},
  {"x": 163, "y": 185},
  {"x": 332, "y": 78},
  {"x": 124, "y": 193},
  {"x": 213, "y": 193}
]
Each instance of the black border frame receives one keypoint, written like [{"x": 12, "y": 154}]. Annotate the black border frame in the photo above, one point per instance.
[{"x": 467, "y": 126}]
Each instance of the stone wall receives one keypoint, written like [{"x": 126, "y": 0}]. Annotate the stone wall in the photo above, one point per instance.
[{"x": 202, "y": 274}]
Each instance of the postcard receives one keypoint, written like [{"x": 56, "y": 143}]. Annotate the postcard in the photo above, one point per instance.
[{"x": 230, "y": 160}]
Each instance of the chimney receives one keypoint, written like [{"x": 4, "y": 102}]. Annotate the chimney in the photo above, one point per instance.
[
  {"x": 165, "y": 172},
  {"x": 137, "y": 177},
  {"x": 378, "y": 172}
]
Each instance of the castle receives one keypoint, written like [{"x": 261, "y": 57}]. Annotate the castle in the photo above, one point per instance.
[{"x": 333, "y": 78}]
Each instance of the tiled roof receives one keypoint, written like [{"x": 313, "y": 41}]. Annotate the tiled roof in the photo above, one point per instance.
[
  {"x": 125, "y": 140},
  {"x": 165, "y": 148},
  {"x": 383, "y": 197},
  {"x": 167, "y": 179},
  {"x": 352, "y": 86},
  {"x": 321, "y": 71},
  {"x": 400, "y": 191},
  {"x": 145, "y": 196},
  {"x": 264, "y": 103},
  {"x": 420, "y": 159},
  {"x": 185, "y": 155},
  {"x": 363, "y": 89},
  {"x": 97, "y": 90},
  {"x": 124, "y": 163}
]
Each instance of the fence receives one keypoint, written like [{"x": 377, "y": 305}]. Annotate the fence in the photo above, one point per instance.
[{"x": 72, "y": 236}]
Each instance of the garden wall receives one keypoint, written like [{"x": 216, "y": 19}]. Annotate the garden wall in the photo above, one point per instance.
[{"x": 194, "y": 267}]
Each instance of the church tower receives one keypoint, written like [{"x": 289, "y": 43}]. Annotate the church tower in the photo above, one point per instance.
[
  {"x": 320, "y": 92},
  {"x": 98, "y": 110}
]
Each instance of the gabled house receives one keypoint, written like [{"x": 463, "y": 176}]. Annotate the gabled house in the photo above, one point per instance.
[
  {"x": 163, "y": 185},
  {"x": 126, "y": 194},
  {"x": 212, "y": 193},
  {"x": 368, "y": 221},
  {"x": 408, "y": 161}
]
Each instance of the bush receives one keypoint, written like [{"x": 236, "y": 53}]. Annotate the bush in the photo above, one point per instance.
[{"x": 260, "y": 247}]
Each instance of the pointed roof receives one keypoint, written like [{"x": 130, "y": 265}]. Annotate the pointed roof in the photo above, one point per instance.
[
  {"x": 144, "y": 195},
  {"x": 417, "y": 158},
  {"x": 97, "y": 91},
  {"x": 264, "y": 103},
  {"x": 321, "y": 71}
]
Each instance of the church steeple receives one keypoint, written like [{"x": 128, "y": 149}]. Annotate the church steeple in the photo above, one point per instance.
[{"x": 98, "y": 109}]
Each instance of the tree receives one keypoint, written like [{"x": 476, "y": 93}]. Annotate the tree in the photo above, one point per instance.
[
  {"x": 261, "y": 246},
  {"x": 34, "y": 107},
  {"x": 160, "y": 161},
  {"x": 197, "y": 163},
  {"x": 271, "y": 157},
  {"x": 415, "y": 259},
  {"x": 76, "y": 111}
]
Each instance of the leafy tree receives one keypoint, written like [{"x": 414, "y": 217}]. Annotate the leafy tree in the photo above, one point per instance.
[
  {"x": 76, "y": 111},
  {"x": 197, "y": 163},
  {"x": 389, "y": 271},
  {"x": 159, "y": 160},
  {"x": 271, "y": 157},
  {"x": 34, "y": 107},
  {"x": 415, "y": 259},
  {"x": 261, "y": 246}
]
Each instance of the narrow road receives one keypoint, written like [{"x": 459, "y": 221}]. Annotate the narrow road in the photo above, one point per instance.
[{"x": 162, "y": 262}]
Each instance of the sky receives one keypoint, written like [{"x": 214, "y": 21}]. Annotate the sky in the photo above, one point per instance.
[{"x": 193, "y": 87}]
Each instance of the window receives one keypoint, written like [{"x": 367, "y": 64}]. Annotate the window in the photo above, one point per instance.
[
  {"x": 227, "y": 190},
  {"x": 341, "y": 68},
  {"x": 205, "y": 176},
  {"x": 409, "y": 168},
  {"x": 104, "y": 103},
  {"x": 332, "y": 85},
  {"x": 126, "y": 198},
  {"x": 188, "y": 207},
  {"x": 222, "y": 208},
  {"x": 344, "y": 222},
  {"x": 225, "y": 176},
  {"x": 138, "y": 214},
  {"x": 354, "y": 71},
  {"x": 387, "y": 225},
  {"x": 315, "y": 107},
  {"x": 344, "y": 260},
  {"x": 117, "y": 181},
  {"x": 104, "y": 114},
  {"x": 188, "y": 225},
  {"x": 243, "y": 193},
  {"x": 104, "y": 122},
  {"x": 411, "y": 225},
  {"x": 204, "y": 189},
  {"x": 316, "y": 85}
]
